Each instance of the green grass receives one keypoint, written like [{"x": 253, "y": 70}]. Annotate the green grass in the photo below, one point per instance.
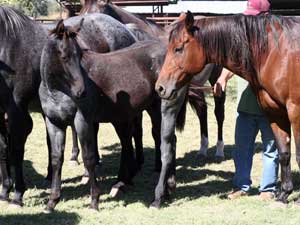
[{"x": 199, "y": 197}]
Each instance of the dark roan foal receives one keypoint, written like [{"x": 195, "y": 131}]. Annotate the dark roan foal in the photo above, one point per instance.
[{"x": 112, "y": 87}]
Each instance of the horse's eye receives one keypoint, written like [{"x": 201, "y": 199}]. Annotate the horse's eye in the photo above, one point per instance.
[
  {"x": 178, "y": 49},
  {"x": 64, "y": 58}
]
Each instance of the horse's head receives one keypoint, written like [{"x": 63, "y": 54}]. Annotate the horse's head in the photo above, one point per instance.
[
  {"x": 69, "y": 50},
  {"x": 185, "y": 58}
]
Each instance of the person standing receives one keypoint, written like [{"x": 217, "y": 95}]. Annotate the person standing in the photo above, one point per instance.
[{"x": 250, "y": 120}]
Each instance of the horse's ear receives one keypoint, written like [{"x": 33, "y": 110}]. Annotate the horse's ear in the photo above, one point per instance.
[
  {"x": 189, "y": 21},
  {"x": 182, "y": 16},
  {"x": 59, "y": 29},
  {"x": 78, "y": 27}
]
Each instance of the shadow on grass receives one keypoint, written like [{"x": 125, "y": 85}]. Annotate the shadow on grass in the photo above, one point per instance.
[
  {"x": 32, "y": 178},
  {"x": 191, "y": 158},
  {"x": 40, "y": 218},
  {"x": 146, "y": 180}
]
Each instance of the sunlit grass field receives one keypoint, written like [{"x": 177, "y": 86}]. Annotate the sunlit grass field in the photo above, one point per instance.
[{"x": 200, "y": 197}]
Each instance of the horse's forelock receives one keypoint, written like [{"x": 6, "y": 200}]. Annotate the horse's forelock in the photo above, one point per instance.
[{"x": 175, "y": 32}]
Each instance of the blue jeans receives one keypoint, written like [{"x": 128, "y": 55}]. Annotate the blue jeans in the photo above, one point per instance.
[{"x": 247, "y": 127}]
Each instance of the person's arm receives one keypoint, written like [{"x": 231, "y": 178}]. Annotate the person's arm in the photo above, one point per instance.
[{"x": 220, "y": 85}]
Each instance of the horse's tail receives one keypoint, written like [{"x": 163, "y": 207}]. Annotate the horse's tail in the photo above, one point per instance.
[{"x": 180, "y": 121}]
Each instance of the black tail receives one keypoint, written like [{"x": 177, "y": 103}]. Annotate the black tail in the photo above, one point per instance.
[{"x": 180, "y": 121}]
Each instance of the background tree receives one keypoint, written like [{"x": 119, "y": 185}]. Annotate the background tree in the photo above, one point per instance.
[{"x": 30, "y": 7}]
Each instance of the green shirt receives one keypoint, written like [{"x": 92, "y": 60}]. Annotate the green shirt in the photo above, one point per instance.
[{"x": 247, "y": 100}]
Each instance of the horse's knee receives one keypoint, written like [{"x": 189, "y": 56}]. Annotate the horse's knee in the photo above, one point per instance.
[{"x": 284, "y": 158}]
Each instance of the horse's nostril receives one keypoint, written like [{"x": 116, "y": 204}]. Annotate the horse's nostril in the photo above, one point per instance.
[{"x": 161, "y": 89}]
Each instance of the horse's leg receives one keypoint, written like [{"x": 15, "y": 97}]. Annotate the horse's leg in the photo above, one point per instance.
[
  {"x": 19, "y": 126},
  {"x": 85, "y": 177},
  {"x": 197, "y": 101},
  {"x": 138, "y": 139},
  {"x": 128, "y": 165},
  {"x": 57, "y": 135},
  {"x": 294, "y": 116},
  {"x": 75, "y": 148},
  {"x": 219, "y": 114},
  {"x": 282, "y": 133},
  {"x": 282, "y": 136},
  {"x": 49, "y": 168},
  {"x": 4, "y": 163},
  {"x": 169, "y": 110},
  {"x": 97, "y": 156},
  {"x": 155, "y": 114},
  {"x": 85, "y": 131}
]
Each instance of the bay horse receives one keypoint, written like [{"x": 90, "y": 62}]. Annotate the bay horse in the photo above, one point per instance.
[
  {"x": 196, "y": 97},
  {"x": 21, "y": 44},
  {"x": 101, "y": 86},
  {"x": 262, "y": 49}
]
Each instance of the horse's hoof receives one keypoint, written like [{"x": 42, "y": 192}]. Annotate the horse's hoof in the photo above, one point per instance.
[
  {"x": 117, "y": 189},
  {"x": 48, "y": 210},
  {"x": 155, "y": 204},
  {"x": 219, "y": 159},
  {"x": 94, "y": 207},
  {"x": 85, "y": 180},
  {"x": 282, "y": 198},
  {"x": 74, "y": 163}
]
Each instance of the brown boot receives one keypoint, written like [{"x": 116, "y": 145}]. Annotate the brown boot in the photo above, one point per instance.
[
  {"x": 266, "y": 196},
  {"x": 236, "y": 194}
]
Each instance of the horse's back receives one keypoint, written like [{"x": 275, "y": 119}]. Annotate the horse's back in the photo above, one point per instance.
[{"x": 100, "y": 26}]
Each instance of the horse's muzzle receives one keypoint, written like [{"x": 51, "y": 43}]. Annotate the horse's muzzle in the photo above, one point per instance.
[{"x": 166, "y": 93}]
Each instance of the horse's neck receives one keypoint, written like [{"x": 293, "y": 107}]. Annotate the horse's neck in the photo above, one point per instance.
[
  {"x": 125, "y": 16},
  {"x": 229, "y": 55}
]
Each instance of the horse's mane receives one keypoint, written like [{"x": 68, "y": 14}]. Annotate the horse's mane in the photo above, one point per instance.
[
  {"x": 12, "y": 22},
  {"x": 244, "y": 37}
]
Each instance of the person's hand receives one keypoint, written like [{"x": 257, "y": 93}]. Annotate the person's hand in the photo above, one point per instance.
[{"x": 219, "y": 87}]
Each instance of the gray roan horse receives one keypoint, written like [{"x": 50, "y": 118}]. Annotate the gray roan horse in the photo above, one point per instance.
[
  {"x": 21, "y": 43},
  {"x": 112, "y": 87}
]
